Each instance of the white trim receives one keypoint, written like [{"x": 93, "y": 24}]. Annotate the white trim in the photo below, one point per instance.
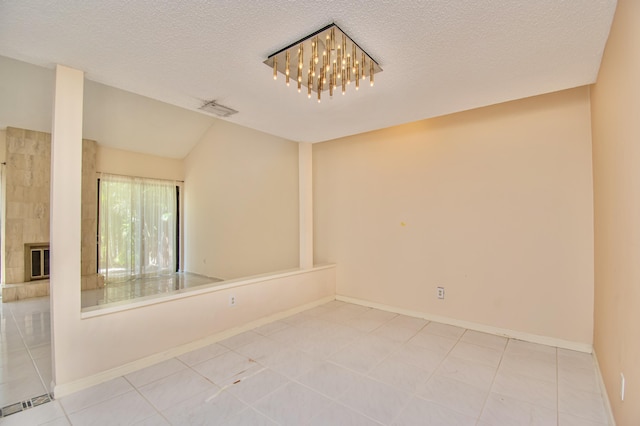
[
  {"x": 96, "y": 311},
  {"x": 534, "y": 338},
  {"x": 603, "y": 391},
  {"x": 86, "y": 382}
]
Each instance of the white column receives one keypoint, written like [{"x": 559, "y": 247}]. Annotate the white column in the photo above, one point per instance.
[
  {"x": 65, "y": 234},
  {"x": 305, "y": 172}
]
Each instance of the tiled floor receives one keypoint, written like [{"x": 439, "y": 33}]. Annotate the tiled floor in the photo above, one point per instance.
[
  {"x": 342, "y": 364},
  {"x": 25, "y": 350}
]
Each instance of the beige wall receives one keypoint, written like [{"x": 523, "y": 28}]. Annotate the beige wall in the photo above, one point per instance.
[
  {"x": 615, "y": 106},
  {"x": 493, "y": 204},
  {"x": 120, "y": 162},
  {"x": 26, "y": 95},
  {"x": 126, "y": 121},
  {"x": 241, "y": 203},
  {"x": 93, "y": 345},
  {"x": 85, "y": 348}
]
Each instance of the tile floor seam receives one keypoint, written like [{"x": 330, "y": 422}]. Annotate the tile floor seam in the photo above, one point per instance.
[
  {"x": 252, "y": 407},
  {"x": 394, "y": 351},
  {"x": 413, "y": 366},
  {"x": 480, "y": 346},
  {"x": 334, "y": 398},
  {"x": 538, "y": 379},
  {"x": 439, "y": 364},
  {"x": 199, "y": 374},
  {"x": 529, "y": 357},
  {"x": 412, "y": 396},
  {"x": 457, "y": 381},
  {"x": 93, "y": 404},
  {"x": 148, "y": 402},
  {"x": 312, "y": 355},
  {"x": 45, "y": 388},
  {"x": 364, "y": 414},
  {"x": 286, "y": 382},
  {"x": 66, "y": 414},
  {"x": 164, "y": 377},
  {"x": 379, "y": 325},
  {"x": 486, "y": 398},
  {"x": 580, "y": 415}
]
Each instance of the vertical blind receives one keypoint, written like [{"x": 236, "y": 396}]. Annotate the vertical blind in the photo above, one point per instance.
[{"x": 137, "y": 227}]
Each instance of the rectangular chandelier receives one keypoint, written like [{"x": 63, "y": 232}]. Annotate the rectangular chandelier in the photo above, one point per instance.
[{"x": 324, "y": 60}]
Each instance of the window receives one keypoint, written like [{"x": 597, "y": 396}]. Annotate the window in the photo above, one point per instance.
[{"x": 137, "y": 226}]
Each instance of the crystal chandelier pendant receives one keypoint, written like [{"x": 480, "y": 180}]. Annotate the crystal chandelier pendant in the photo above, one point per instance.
[{"x": 324, "y": 60}]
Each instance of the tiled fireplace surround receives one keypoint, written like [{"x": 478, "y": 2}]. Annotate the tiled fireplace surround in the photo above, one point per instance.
[{"x": 26, "y": 205}]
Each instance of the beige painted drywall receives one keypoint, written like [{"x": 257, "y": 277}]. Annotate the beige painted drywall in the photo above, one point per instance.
[
  {"x": 241, "y": 203},
  {"x": 113, "y": 117},
  {"x": 615, "y": 107},
  {"x": 94, "y": 345},
  {"x": 65, "y": 218},
  {"x": 127, "y": 121},
  {"x": 27, "y": 95},
  {"x": 128, "y": 163},
  {"x": 84, "y": 348},
  {"x": 493, "y": 204}
]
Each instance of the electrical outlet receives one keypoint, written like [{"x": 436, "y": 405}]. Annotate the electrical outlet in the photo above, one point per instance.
[
  {"x": 440, "y": 292},
  {"x": 622, "y": 385},
  {"x": 232, "y": 300}
]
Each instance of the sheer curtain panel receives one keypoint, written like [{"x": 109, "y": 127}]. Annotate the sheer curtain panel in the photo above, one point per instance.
[{"x": 137, "y": 227}]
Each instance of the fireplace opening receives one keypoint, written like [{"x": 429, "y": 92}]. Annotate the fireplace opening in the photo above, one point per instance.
[{"x": 36, "y": 261}]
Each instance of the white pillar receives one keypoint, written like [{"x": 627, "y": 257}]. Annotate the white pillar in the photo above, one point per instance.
[
  {"x": 305, "y": 173},
  {"x": 65, "y": 235}
]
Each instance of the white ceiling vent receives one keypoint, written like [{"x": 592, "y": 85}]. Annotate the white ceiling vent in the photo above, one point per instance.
[{"x": 215, "y": 108}]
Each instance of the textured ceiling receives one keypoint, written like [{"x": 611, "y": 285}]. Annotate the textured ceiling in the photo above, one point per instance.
[{"x": 438, "y": 56}]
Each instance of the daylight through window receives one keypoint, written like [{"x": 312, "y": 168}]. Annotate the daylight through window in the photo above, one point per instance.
[{"x": 137, "y": 227}]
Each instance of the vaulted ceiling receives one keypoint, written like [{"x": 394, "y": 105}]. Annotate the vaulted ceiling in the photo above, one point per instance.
[{"x": 438, "y": 56}]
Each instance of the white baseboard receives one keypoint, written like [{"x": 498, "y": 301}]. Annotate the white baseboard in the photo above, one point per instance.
[
  {"x": 534, "y": 338},
  {"x": 605, "y": 395},
  {"x": 60, "y": 391}
]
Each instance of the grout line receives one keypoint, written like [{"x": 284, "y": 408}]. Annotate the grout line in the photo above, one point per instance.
[
  {"x": 64, "y": 410},
  {"x": 484, "y": 404},
  {"x": 397, "y": 346},
  {"x": 327, "y": 360},
  {"x": 433, "y": 373},
  {"x": 225, "y": 387},
  {"x": 33, "y": 362},
  {"x": 147, "y": 401}
]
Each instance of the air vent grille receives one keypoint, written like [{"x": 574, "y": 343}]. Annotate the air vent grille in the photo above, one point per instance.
[{"x": 215, "y": 108}]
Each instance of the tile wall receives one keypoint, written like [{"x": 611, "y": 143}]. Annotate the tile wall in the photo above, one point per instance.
[{"x": 27, "y": 198}]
